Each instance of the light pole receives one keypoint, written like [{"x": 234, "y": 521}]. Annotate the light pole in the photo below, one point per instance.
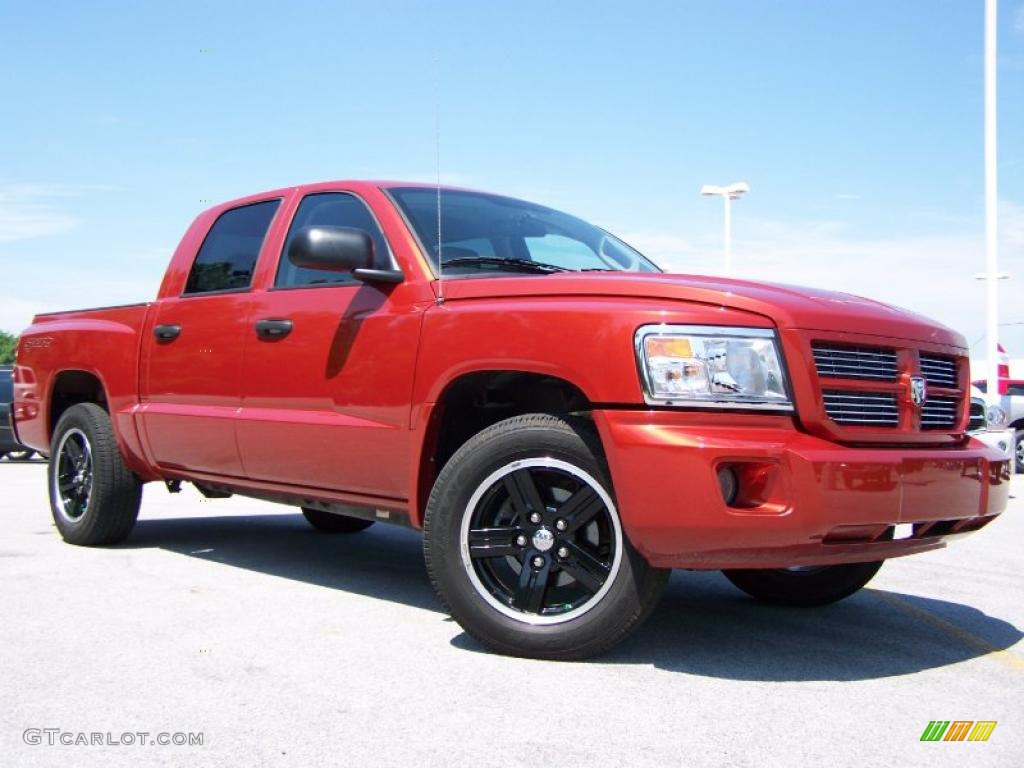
[
  {"x": 728, "y": 194},
  {"x": 992, "y": 275}
]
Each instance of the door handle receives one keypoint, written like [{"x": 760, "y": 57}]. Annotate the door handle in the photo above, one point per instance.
[
  {"x": 273, "y": 329},
  {"x": 166, "y": 332}
]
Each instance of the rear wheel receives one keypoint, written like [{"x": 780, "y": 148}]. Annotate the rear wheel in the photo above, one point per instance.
[
  {"x": 525, "y": 547},
  {"x": 804, "y": 586},
  {"x": 329, "y": 522},
  {"x": 1018, "y": 450},
  {"x": 94, "y": 497}
]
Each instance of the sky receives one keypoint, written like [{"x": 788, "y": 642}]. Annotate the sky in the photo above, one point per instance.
[{"x": 857, "y": 124}]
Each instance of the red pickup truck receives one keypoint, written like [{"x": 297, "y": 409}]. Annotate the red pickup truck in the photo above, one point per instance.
[{"x": 564, "y": 421}]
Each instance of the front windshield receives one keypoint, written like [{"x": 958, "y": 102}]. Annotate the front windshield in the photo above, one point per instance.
[{"x": 488, "y": 233}]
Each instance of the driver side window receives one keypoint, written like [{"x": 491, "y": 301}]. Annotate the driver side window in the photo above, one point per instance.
[{"x": 334, "y": 209}]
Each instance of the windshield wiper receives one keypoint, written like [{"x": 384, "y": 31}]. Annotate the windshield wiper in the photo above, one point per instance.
[{"x": 523, "y": 265}]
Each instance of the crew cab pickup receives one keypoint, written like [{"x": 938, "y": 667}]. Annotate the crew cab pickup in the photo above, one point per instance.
[{"x": 564, "y": 421}]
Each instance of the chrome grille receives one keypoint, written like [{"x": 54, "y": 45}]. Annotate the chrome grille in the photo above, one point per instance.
[
  {"x": 939, "y": 413},
  {"x": 876, "y": 363},
  {"x": 939, "y": 371},
  {"x": 869, "y": 409}
]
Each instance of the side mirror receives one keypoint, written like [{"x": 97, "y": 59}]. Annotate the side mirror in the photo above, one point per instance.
[
  {"x": 339, "y": 249},
  {"x": 331, "y": 249}
]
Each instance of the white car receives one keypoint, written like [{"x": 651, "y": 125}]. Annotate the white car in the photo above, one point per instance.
[{"x": 988, "y": 424}]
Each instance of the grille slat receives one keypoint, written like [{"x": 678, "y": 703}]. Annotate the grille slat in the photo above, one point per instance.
[
  {"x": 939, "y": 371},
  {"x": 862, "y": 408},
  {"x": 940, "y": 413},
  {"x": 977, "y": 416},
  {"x": 854, "y": 362}
]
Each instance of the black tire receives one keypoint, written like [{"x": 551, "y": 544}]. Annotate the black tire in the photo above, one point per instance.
[
  {"x": 329, "y": 522},
  {"x": 1018, "y": 450},
  {"x": 94, "y": 500},
  {"x": 21, "y": 455},
  {"x": 804, "y": 587},
  {"x": 570, "y": 612}
]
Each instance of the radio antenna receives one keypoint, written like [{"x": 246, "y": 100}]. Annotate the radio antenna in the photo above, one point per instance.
[{"x": 437, "y": 160}]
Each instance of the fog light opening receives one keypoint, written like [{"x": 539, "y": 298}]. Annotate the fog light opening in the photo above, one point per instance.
[{"x": 729, "y": 485}]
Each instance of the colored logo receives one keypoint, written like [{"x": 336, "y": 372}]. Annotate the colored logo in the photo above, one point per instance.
[
  {"x": 958, "y": 730},
  {"x": 918, "y": 390}
]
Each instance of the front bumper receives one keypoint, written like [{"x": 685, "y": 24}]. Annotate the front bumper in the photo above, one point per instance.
[{"x": 807, "y": 501}]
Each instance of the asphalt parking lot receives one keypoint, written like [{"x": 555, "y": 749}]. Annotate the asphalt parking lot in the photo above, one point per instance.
[{"x": 234, "y": 619}]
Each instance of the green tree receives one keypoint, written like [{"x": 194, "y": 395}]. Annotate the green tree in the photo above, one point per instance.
[{"x": 8, "y": 341}]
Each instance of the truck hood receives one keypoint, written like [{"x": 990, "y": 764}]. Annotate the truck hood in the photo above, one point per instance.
[{"x": 788, "y": 307}]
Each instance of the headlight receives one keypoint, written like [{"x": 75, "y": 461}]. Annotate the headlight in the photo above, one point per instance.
[
  {"x": 995, "y": 417},
  {"x": 711, "y": 366}
]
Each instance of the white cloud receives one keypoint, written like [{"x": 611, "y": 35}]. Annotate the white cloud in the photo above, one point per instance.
[
  {"x": 28, "y": 211},
  {"x": 16, "y": 313},
  {"x": 932, "y": 275},
  {"x": 77, "y": 289}
]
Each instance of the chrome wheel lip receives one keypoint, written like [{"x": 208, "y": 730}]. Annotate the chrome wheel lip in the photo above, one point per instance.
[
  {"x": 83, "y": 476},
  {"x": 467, "y": 561}
]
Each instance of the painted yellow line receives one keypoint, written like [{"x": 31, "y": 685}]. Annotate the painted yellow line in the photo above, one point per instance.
[{"x": 1012, "y": 660}]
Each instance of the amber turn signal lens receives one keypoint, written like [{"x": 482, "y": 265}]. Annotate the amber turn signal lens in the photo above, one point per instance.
[{"x": 668, "y": 347}]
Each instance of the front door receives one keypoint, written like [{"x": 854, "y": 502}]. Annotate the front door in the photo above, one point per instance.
[{"x": 328, "y": 371}]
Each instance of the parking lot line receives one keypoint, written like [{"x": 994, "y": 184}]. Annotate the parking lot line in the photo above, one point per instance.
[{"x": 1007, "y": 658}]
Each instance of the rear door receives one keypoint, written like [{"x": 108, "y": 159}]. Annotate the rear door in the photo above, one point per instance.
[
  {"x": 192, "y": 362},
  {"x": 325, "y": 393}
]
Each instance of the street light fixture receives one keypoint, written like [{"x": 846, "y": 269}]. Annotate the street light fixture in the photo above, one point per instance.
[{"x": 728, "y": 194}]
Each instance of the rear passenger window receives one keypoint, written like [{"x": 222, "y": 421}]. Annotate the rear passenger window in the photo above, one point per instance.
[
  {"x": 227, "y": 257},
  {"x": 332, "y": 209}
]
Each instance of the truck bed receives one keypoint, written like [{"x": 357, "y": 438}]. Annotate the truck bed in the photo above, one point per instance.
[{"x": 100, "y": 345}]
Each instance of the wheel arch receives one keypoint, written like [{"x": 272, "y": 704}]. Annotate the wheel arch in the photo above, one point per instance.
[
  {"x": 474, "y": 400},
  {"x": 71, "y": 387}
]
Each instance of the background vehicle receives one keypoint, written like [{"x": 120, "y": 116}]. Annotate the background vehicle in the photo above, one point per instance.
[
  {"x": 9, "y": 447},
  {"x": 1013, "y": 404},
  {"x": 988, "y": 424},
  {"x": 565, "y": 422}
]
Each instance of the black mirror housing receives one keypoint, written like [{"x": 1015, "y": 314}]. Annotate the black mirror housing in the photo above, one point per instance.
[{"x": 331, "y": 249}]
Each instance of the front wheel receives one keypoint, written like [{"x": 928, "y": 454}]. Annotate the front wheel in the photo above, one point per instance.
[
  {"x": 94, "y": 497},
  {"x": 804, "y": 586},
  {"x": 525, "y": 547},
  {"x": 1018, "y": 450}
]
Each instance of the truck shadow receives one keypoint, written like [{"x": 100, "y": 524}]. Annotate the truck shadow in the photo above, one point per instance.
[
  {"x": 384, "y": 562},
  {"x": 703, "y": 626}
]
